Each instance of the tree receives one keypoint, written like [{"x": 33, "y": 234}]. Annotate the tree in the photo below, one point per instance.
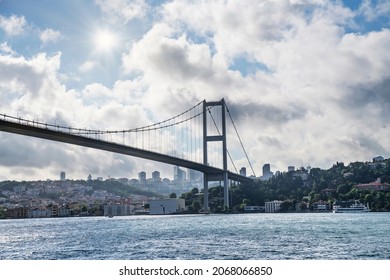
[
  {"x": 343, "y": 188},
  {"x": 173, "y": 195},
  {"x": 246, "y": 201},
  {"x": 196, "y": 206},
  {"x": 286, "y": 206},
  {"x": 303, "y": 206},
  {"x": 195, "y": 191}
]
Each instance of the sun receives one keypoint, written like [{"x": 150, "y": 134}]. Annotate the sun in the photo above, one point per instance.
[{"x": 105, "y": 40}]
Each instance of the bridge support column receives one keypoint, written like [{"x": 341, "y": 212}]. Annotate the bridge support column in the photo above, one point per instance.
[
  {"x": 205, "y": 193},
  {"x": 226, "y": 189},
  {"x": 221, "y": 137}
]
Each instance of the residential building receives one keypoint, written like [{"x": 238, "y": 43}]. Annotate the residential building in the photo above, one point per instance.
[
  {"x": 266, "y": 172},
  {"x": 272, "y": 206},
  {"x": 167, "y": 206},
  {"x": 253, "y": 208},
  {"x": 194, "y": 175},
  {"x": 156, "y": 176},
  {"x": 118, "y": 210},
  {"x": 17, "y": 213},
  {"x": 378, "y": 159},
  {"x": 376, "y": 186},
  {"x": 179, "y": 175},
  {"x": 63, "y": 211},
  {"x": 142, "y": 177},
  {"x": 62, "y": 176},
  {"x": 321, "y": 206},
  {"x": 243, "y": 171}
]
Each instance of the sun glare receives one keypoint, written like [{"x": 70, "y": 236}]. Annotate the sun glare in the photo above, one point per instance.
[{"x": 105, "y": 40}]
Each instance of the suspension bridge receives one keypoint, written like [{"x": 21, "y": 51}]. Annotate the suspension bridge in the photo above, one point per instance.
[{"x": 195, "y": 139}]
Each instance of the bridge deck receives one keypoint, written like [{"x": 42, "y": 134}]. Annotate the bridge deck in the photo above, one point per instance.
[{"x": 213, "y": 173}]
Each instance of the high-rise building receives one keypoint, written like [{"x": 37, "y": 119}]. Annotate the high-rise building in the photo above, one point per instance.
[
  {"x": 62, "y": 176},
  {"x": 156, "y": 176},
  {"x": 178, "y": 174},
  {"x": 267, "y": 171},
  {"x": 142, "y": 177},
  {"x": 291, "y": 168},
  {"x": 194, "y": 175},
  {"x": 243, "y": 171}
]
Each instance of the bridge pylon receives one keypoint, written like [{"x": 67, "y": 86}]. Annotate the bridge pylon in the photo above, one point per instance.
[{"x": 221, "y": 137}]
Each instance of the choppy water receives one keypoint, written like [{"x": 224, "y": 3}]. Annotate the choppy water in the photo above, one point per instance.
[{"x": 187, "y": 237}]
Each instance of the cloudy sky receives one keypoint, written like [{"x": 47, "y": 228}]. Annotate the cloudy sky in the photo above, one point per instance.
[{"x": 307, "y": 82}]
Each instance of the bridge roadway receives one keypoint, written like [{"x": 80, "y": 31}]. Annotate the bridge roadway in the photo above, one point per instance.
[{"x": 213, "y": 173}]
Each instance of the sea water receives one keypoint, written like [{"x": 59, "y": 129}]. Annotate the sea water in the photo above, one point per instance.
[{"x": 321, "y": 236}]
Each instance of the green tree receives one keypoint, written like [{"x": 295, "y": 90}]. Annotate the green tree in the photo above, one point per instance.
[
  {"x": 303, "y": 206},
  {"x": 195, "y": 191},
  {"x": 196, "y": 206},
  {"x": 286, "y": 206},
  {"x": 246, "y": 201}
]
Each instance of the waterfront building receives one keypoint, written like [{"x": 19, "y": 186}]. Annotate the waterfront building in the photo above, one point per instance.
[
  {"x": 253, "y": 208},
  {"x": 167, "y": 206},
  {"x": 17, "y": 213},
  {"x": 118, "y": 210},
  {"x": 272, "y": 206},
  {"x": 40, "y": 212},
  {"x": 63, "y": 211},
  {"x": 321, "y": 206}
]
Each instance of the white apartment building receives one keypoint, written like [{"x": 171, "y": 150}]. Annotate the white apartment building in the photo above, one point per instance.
[
  {"x": 272, "y": 206},
  {"x": 118, "y": 210},
  {"x": 167, "y": 206}
]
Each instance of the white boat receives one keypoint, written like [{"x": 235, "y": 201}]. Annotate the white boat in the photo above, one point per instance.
[{"x": 357, "y": 207}]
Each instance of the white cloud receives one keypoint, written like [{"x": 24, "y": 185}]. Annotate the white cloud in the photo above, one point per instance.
[
  {"x": 50, "y": 35},
  {"x": 29, "y": 88},
  {"x": 321, "y": 97},
  {"x": 13, "y": 25},
  {"x": 308, "y": 96},
  {"x": 373, "y": 10},
  {"x": 6, "y": 49},
  {"x": 87, "y": 66},
  {"x": 123, "y": 11}
]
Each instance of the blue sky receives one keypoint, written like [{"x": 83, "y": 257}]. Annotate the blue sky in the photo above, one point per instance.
[{"x": 313, "y": 72}]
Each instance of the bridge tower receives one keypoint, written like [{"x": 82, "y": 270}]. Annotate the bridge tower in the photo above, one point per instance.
[{"x": 218, "y": 138}]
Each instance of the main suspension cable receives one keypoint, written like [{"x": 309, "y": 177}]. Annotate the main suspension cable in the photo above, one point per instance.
[{"x": 239, "y": 138}]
